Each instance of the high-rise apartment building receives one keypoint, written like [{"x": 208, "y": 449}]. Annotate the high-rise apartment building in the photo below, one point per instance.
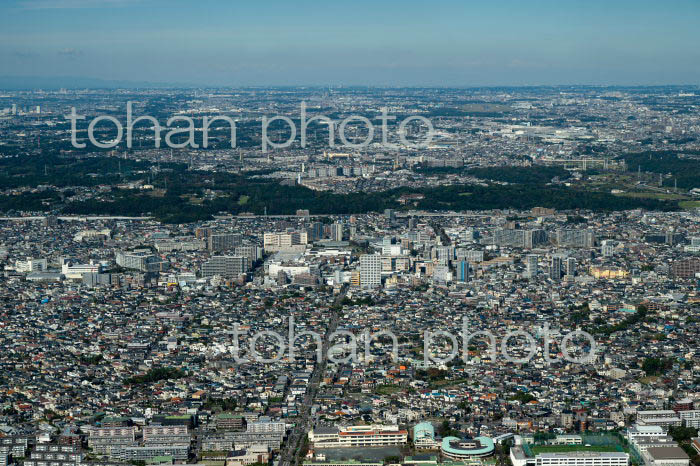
[
  {"x": 555, "y": 267},
  {"x": 223, "y": 241},
  {"x": 370, "y": 271},
  {"x": 463, "y": 271},
  {"x": 225, "y": 266},
  {"x": 531, "y": 266},
  {"x": 575, "y": 238},
  {"x": 337, "y": 232}
]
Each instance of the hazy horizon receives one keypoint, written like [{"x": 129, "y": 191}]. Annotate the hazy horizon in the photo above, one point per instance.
[
  {"x": 443, "y": 44},
  {"x": 52, "y": 83}
]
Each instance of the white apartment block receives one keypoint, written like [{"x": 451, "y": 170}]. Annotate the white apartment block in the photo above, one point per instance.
[
  {"x": 264, "y": 425},
  {"x": 55, "y": 455},
  {"x": 642, "y": 444},
  {"x": 663, "y": 418},
  {"x": 164, "y": 435},
  {"x": 294, "y": 240},
  {"x": 690, "y": 418},
  {"x": 178, "y": 452},
  {"x": 371, "y": 271},
  {"x": 31, "y": 265},
  {"x": 103, "y": 440},
  {"x": 637, "y": 431},
  {"x": 180, "y": 244}
]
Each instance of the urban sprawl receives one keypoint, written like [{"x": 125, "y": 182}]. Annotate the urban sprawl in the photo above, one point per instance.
[{"x": 306, "y": 305}]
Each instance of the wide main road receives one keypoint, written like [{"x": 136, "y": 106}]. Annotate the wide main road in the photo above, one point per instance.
[{"x": 291, "y": 454}]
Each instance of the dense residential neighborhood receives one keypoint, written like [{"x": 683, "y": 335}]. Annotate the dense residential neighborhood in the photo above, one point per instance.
[{"x": 122, "y": 342}]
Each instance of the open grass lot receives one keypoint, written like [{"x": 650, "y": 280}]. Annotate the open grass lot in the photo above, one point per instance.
[
  {"x": 387, "y": 389},
  {"x": 628, "y": 182},
  {"x": 689, "y": 204},
  {"x": 448, "y": 383},
  {"x": 654, "y": 195}
]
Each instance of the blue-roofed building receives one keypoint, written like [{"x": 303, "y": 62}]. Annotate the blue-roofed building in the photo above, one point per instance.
[{"x": 424, "y": 436}]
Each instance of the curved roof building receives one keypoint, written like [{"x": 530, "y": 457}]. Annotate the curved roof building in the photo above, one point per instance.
[
  {"x": 456, "y": 448},
  {"x": 424, "y": 435}
]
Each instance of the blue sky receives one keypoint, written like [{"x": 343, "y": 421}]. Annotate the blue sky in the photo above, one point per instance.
[{"x": 428, "y": 42}]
